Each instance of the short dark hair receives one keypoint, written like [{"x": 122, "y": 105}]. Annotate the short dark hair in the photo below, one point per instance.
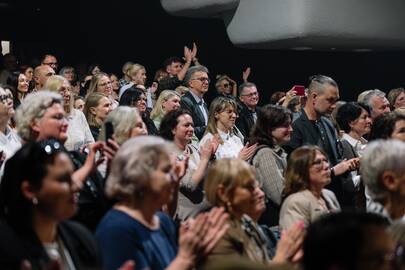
[
  {"x": 131, "y": 96},
  {"x": 384, "y": 125},
  {"x": 348, "y": 113},
  {"x": 245, "y": 85},
  {"x": 170, "y": 60},
  {"x": 269, "y": 117},
  {"x": 339, "y": 239},
  {"x": 169, "y": 122}
]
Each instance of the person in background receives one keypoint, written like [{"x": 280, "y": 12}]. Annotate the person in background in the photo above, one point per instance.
[
  {"x": 226, "y": 86},
  {"x": 115, "y": 85},
  {"x": 78, "y": 132},
  {"x": 249, "y": 98},
  {"x": 20, "y": 86},
  {"x": 79, "y": 103},
  {"x": 377, "y": 102},
  {"x": 41, "y": 74},
  {"x": 29, "y": 74},
  {"x": 396, "y": 98},
  {"x": 125, "y": 79},
  {"x": 388, "y": 126},
  {"x": 50, "y": 61},
  {"x": 96, "y": 108},
  {"x": 101, "y": 83},
  {"x": 168, "y": 101}
]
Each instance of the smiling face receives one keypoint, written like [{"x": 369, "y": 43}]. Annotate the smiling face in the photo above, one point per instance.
[
  {"x": 199, "y": 83},
  {"x": 23, "y": 83},
  {"x": 362, "y": 125},
  {"x": 247, "y": 198},
  {"x": 6, "y": 101},
  {"x": 139, "y": 77},
  {"x": 56, "y": 197},
  {"x": 52, "y": 125},
  {"x": 104, "y": 85},
  {"x": 225, "y": 119},
  {"x": 184, "y": 130},
  {"x": 139, "y": 129},
  {"x": 250, "y": 97},
  {"x": 282, "y": 134}
]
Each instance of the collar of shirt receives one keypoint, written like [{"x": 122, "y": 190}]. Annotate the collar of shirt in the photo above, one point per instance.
[
  {"x": 197, "y": 98},
  {"x": 353, "y": 142}
]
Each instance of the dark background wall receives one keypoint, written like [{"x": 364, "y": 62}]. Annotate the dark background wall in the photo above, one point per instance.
[{"x": 110, "y": 34}]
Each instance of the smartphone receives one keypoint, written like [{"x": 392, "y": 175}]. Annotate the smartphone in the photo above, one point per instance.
[
  {"x": 300, "y": 90},
  {"x": 109, "y": 131}
]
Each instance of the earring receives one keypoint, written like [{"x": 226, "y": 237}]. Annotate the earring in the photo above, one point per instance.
[{"x": 34, "y": 201}]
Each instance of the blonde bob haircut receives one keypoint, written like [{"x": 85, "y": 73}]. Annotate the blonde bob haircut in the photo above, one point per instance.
[
  {"x": 228, "y": 174},
  {"x": 134, "y": 69},
  {"x": 158, "y": 111}
]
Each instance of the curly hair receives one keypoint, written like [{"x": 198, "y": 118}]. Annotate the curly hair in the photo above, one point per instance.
[{"x": 169, "y": 122}]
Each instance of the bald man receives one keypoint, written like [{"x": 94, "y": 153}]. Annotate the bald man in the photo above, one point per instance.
[{"x": 41, "y": 75}]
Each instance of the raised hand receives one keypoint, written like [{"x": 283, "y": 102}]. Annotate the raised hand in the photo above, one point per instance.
[
  {"x": 247, "y": 152},
  {"x": 246, "y": 74}
]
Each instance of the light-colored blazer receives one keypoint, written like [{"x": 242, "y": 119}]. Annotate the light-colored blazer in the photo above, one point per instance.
[{"x": 304, "y": 206}]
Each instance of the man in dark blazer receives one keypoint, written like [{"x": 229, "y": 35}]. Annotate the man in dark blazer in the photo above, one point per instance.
[
  {"x": 197, "y": 81},
  {"x": 249, "y": 97},
  {"x": 314, "y": 128}
]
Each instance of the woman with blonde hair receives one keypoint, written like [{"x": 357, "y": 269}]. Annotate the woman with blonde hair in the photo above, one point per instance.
[
  {"x": 96, "y": 108},
  {"x": 221, "y": 124},
  {"x": 168, "y": 101},
  {"x": 78, "y": 133},
  {"x": 101, "y": 83},
  {"x": 231, "y": 184}
]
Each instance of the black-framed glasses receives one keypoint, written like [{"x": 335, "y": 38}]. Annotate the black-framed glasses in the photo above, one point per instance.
[
  {"x": 201, "y": 79},
  {"x": 251, "y": 94},
  {"x": 226, "y": 85},
  {"x": 51, "y": 64}
]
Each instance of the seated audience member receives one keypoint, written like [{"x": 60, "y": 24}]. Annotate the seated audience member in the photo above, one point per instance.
[
  {"x": 378, "y": 103},
  {"x": 135, "y": 97},
  {"x": 115, "y": 85},
  {"x": 78, "y": 132},
  {"x": 101, "y": 83},
  {"x": 181, "y": 90},
  {"x": 177, "y": 69},
  {"x": 346, "y": 240},
  {"x": 19, "y": 83},
  {"x": 35, "y": 204},
  {"x": 306, "y": 198},
  {"x": 9, "y": 140},
  {"x": 226, "y": 86},
  {"x": 142, "y": 181},
  {"x": 396, "y": 98},
  {"x": 177, "y": 126},
  {"x": 96, "y": 108},
  {"x": 79, "y": 103},
  {"x": 168, "y": 101},
  {"x": 41, "y": 117},
  {"x": 125, "y": 79},
  {"x": 28, "y": 71},
  {"x": 271, "y": 131},
  {"x": 389, "y": 126},
  {"x": 221, "y": 124},
  {"x": 383, "y": 172},
  {"x": 41, "y": 75},
  {"x": 249, "y": 98},
  {"x": 231, "y": 184},
  {"x": 50, "y": 61}
]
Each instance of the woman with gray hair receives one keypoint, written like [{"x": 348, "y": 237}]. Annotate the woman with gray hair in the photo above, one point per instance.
[
  {"x": 143, "y": 179},
  {"x": 383, "y": 172}
]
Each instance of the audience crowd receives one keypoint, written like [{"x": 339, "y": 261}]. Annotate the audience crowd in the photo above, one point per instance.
[{"x": 101, "y": 171}]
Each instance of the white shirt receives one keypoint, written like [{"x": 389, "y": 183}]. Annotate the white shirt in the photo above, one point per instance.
[
  {"x": 358, "y": 146},
  {"x": 78, "y": 131},
  {"x": 9, "y": 144},
  {"x": 229, "y": 149}
]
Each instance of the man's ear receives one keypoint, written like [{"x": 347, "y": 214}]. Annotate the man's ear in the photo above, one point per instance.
[{"x": 390, "y": 181}]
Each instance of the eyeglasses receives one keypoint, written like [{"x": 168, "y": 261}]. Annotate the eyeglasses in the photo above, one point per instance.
[
  {"x": 251, "y": 94},
  {"x": 49, "y": 74},
  {"x": 202, "y": 79},
  {"x": 226, "y": 85}
]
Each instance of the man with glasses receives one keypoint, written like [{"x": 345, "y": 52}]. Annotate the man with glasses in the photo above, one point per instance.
[
  {"x": 313, "y": 127},
  {"x": 197, "y": 80},
  {"x": 249, "y": 97},
  {"x": 41, "y": 75},
  {"x": 51, "y": 61}
]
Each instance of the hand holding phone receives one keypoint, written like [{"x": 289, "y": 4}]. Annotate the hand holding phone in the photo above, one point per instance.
[{"x": 299, "y": 90}]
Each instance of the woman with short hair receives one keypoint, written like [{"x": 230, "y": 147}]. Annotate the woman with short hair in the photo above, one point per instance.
[
  {"x": 306, "y": 198},
  {"x": 168, "y": 101}
]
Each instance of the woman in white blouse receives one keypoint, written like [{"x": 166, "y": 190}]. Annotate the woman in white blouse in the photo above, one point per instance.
[
  {"x": 221, "y": 124},
  {"x": 78, "y": 132}
]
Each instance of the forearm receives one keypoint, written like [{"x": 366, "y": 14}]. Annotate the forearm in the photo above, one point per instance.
[
  {"x": 183, "y": 72},
  {"x": 198, "y": 174}
]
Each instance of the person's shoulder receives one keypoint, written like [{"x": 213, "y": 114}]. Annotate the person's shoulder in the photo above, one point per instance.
[{"x": 298, "y": 197}]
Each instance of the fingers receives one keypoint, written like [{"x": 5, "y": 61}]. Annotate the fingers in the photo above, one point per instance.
[{"x": 128, "y": 265}]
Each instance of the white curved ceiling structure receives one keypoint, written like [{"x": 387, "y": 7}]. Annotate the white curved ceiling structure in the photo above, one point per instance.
[{"x": 304, "y": 24}]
